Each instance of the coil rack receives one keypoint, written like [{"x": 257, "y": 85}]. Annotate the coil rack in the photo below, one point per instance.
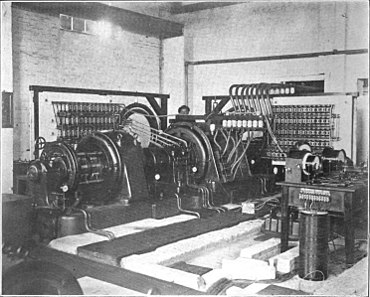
[
  {"x": 297, "y": 123},
  {"x": 77, "y": 119}
]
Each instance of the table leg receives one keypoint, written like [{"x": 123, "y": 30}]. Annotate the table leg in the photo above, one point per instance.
[
  {"x": 349, "y": 231},
  {"x": 284, "y": 218}
]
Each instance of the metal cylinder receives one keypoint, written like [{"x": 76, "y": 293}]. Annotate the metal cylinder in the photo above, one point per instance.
[
  {"x": 313, "y": 245},
  {"x": 71, "y": 224}
]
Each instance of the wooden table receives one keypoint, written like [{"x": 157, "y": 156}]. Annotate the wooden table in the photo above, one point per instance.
[{"x": 340, "y": 200}]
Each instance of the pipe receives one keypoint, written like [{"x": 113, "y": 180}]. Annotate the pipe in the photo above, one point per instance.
[
  {"x": 227, "y": 142},
  {"x": 241, "y": 157},
  {"x": 231, "y": 96},
  {"x": 238, "y": 98},
  {"x": 105, "y": 233},
  {"x": 244, "y": 97},
  {"x": 194, "y": 213},
  {"x": 256, "y": 100},
  {"x": 250, "y": 98},
  {"x": 281, "y": 57},
  {"x": 209, "y": 204},
  {"x": 215, "y": 141},
  {"x": 236, "y": 144}
]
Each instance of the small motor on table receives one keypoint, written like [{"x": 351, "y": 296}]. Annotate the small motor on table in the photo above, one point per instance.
[{"x": 301, "y": 166}]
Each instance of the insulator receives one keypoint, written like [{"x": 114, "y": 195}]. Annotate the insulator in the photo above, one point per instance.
[{"x": 255, "y": 123}]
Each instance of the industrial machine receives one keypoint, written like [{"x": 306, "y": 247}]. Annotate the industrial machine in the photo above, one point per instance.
[
  {"x": 106, "y": 155},
  {"x": 111, "y": 164},
  {"x": 199, "y": 162}
]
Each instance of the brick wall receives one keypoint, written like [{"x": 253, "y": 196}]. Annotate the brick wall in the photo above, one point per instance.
[{"x": 45, "y": 55}]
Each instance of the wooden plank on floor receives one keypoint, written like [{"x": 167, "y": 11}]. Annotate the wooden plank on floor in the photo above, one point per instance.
[
  {"x": 182, "y": 265},
  {"x": 81, "y": 267},
  {"x": 277, "y": 290},
  {"x": 111, "y": 252}
]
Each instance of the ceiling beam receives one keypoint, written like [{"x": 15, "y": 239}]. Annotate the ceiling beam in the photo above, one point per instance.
[
  {"x": 179, "y": 8},
  {"x": 130, "y": 21}
]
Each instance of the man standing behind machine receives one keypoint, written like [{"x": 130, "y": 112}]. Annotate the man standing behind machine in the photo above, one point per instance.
[{"x": 183, "y": 109}]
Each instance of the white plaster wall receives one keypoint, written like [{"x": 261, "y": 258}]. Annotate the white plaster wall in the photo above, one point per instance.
[
  {"x": 6, "y": 47},
  {"x": 362, "y": 128},
  {"x": 6, "y": 145},
  {"x": 258, "y": 29},
  {"x": 173, "y": 72}
]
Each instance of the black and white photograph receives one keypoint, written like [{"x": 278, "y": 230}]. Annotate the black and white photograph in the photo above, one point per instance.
[{"x": 185, "y": 148}]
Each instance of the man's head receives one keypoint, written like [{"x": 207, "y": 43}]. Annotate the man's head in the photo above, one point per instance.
[{"x": 184, "y": 109}]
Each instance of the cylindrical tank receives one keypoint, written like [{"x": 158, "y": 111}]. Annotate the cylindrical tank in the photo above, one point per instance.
[
  {"x": 313, "y": 245},
  {"x": 69, "y": 224}
]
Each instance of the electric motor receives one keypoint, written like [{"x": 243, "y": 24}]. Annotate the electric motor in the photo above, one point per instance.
[{"x": 92, "y": 173}]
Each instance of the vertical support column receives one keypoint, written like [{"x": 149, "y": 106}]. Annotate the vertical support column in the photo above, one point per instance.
[
  {"x": 161, "y": 65},
  {"x": 186, "y": 74},
  {"x": 349, "y": 232},
  {"x": 36, "y": 119},
  {"x": 284, "y": 218},
  {"x": 353, "y": 131},
  {"x": 208, "y": 107},
  {"x": 164, "y": 112}
]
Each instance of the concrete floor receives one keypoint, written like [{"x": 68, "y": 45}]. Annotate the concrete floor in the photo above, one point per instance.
[
  {"x": 208, "y": 250},
  {"x": 351, "y": 281},
  {"x": 341, "y": 280}
]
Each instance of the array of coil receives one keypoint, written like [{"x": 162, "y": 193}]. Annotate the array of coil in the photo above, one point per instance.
[
  {"x": 315, "y": 124},
  {"x": 77, "y": 119}
]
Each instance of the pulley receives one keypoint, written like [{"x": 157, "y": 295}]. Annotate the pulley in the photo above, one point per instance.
[
  {"x": 61, "y": 164},
  {"x": 198, "y": 149},
  {"x": 310, "y": 164},
  {"x": 142, "y": 120}
]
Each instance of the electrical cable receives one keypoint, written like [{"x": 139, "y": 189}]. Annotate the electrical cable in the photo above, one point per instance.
[
  {"x": 164, "y": 137},
  {"x": 220, "y": 287},
  {"x": 227, "y": 141},
  {"x": 273, "y": 137},
  {"x": 215, "y": 140},
  {"x": 238, "y": 163},
  {"x": 235, "y": 146}
]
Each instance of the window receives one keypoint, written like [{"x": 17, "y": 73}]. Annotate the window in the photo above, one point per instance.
[
  {"x": 65, "y": 22},
  {"x": 76, "y": 24},
  {"x": 90, "y": 26},
  {"x": 310, "y": 86},
  {"x": 7, "y": 109}
]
